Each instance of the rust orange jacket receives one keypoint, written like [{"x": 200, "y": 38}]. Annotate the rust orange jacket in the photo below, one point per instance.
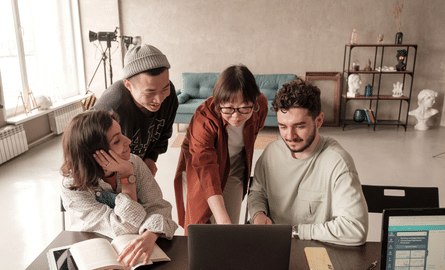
[{"x": 204, "y": 157}]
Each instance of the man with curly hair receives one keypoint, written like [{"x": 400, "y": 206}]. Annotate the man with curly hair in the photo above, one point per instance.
[{"x": 305, "y": 179}]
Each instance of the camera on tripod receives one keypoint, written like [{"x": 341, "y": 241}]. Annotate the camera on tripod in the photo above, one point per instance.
[
  {"x": 103, "y": 36},
  {"x": 109, "y": 37}
]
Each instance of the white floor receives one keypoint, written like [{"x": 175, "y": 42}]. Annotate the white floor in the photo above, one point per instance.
[{"x": 29, "y": 184}]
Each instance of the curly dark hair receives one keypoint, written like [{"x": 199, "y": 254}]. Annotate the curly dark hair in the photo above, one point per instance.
[
  {"x": 85, "y": 134},
  {"x": 298, "y": 94}
]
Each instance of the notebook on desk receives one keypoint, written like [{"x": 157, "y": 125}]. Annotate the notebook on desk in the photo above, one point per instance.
[
  {"x": 413, "y": 239},
  {"x": 239, "y": 246}
]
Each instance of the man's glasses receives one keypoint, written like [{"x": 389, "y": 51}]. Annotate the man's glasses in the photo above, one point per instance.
[{"x": 241, "y": 110}]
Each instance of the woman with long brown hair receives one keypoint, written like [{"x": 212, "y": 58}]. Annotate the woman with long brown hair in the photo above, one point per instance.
[{"x": 108, "y": 190}]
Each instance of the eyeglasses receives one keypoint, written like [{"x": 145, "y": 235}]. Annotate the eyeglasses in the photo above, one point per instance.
[{"x": 241, "y": 110}]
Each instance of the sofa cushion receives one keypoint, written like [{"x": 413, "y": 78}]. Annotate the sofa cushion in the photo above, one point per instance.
[
  {"x": 270, "y": 112},
  {"x": 199, "y": 85},
  {"x": 183, "y": 97},
  {"x": 190, "y": 106},
  {"x": 269, "y": 84}
]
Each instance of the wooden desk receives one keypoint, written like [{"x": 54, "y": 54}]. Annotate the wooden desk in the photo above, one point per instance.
[{"x": 342, "y": 257}]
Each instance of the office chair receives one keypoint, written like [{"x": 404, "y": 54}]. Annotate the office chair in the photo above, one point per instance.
[{"x": 379, "y": 197}]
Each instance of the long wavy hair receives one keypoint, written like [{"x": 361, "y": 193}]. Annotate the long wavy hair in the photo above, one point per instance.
[{"x": 85, "y": 134}]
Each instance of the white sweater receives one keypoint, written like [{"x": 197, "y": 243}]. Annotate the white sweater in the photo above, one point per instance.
[
  {"x": 321, "y": 194},
  {"x": 151, "y": 212}
]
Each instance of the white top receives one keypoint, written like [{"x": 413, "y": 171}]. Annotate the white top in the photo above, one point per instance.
[
  {"x": 236, "y": 140},
  {"x": 236, "y": 153},
  {"x": 321, "y": 194}
]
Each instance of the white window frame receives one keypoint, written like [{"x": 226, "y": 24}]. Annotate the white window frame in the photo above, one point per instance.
[{"x": 79, "y": 62}]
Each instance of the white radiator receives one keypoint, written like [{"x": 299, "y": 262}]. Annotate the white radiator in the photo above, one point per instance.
[
  {"x": 12, "y": 142},
  {"x": 60, "y": 118}
]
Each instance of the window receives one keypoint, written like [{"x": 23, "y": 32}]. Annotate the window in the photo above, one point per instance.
[{"x": 40, "y": 52}]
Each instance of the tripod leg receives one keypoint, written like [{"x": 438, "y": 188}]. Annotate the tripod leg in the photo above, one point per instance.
[
  {"x": 104, "y": 57},
  {"x": 88, "y": 87},
  {"x": 111, "y": 67}
]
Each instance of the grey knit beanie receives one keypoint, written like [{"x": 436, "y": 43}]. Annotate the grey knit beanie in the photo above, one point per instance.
[{"x": 141, "y": 58}]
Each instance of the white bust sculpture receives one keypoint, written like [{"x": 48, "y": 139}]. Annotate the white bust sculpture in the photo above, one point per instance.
[
  {"x": 425, "y": 99},
  {"x": 354, "y": 82},
  {"x": 398, "y": 89}
]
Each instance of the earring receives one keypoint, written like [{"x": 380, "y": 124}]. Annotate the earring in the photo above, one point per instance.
[{"x": 256, "y": 109}]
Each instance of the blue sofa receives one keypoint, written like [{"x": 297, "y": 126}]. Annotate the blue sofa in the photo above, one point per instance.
[{"x": 197, "y": 87}]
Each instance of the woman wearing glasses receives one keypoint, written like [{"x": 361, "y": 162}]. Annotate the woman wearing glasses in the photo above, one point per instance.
[{"x": 216, "y": 155}]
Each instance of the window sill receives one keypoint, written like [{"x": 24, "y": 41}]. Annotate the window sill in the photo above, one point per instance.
[{"x": 22, "y": 118}]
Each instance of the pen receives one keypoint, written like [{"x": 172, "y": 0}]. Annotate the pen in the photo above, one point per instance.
[{"x": 372, "y": 266}]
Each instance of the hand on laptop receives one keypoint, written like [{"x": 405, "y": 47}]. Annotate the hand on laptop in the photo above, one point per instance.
[{"x": 261, "y": 218}]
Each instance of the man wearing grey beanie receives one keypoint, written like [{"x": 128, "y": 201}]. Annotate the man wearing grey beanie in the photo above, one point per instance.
[{"x": 145, "y": 100}]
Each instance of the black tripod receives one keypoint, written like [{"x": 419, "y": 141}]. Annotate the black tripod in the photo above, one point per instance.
[{"x": 104, "y": 60}]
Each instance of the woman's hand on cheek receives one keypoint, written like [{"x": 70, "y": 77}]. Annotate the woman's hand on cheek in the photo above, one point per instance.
[{"x": 113, "y": 163}]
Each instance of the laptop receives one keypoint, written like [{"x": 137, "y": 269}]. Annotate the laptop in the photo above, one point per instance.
[
  {"x": 239, "y": 246},
  {"x": 413, "y": 239}
]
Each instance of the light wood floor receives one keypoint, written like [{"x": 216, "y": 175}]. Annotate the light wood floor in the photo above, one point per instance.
[{"x": 29, "y": 184}]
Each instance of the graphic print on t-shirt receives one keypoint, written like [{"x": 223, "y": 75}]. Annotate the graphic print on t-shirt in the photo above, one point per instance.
[{"x": 141, "y": 142}]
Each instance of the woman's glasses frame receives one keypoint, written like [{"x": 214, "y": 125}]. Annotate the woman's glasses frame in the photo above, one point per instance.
[{"x": 241, "y": 110}]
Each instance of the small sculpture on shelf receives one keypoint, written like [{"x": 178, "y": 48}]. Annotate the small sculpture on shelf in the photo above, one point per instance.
[
  {"x": 401, "y": 56},
  {"x": 356, "y": 65},
  {"x": 380, "y": 39},
  {"x": 426, "y": 100},
  {"x": 368, "y": 66},
  {"x": 397, "y": 91},
  {"x": 386, "y": 69},
  {"x": 368, "y": 90},
  {"x": 354, "y": 82},
  {"x": 354, "y": 37}
]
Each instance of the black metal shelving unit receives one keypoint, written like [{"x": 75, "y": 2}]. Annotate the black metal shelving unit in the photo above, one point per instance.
[{"x": 377, "y": 75}]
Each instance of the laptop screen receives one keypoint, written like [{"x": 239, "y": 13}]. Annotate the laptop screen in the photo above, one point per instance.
[{"x": 413, "y": 239}]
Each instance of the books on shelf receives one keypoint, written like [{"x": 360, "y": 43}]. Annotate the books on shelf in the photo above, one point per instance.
[
  {"x": 370, "y": 116},
  {"x": 96, "y": 254}
]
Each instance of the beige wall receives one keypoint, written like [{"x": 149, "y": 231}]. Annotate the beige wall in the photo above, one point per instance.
[
  {"x": 286, "y": 36},
  {"x": 99, "y": 16}
]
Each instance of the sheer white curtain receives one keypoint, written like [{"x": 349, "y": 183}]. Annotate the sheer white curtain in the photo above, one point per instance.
[
  {"x": 51, "y": 34},
  {"x": 54, "y": 48}
]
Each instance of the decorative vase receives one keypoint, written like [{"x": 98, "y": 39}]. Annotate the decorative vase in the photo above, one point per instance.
[
  {"x": 399, "y": 37},
  {"x": 359, "y": 115},
  {"x": 368, "y": 91}
]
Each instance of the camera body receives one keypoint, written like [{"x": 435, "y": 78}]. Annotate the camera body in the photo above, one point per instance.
[{"x": 105, "y": 36}]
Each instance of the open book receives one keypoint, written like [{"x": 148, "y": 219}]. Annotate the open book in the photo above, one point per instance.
[{"x": 96, "y": 254}]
